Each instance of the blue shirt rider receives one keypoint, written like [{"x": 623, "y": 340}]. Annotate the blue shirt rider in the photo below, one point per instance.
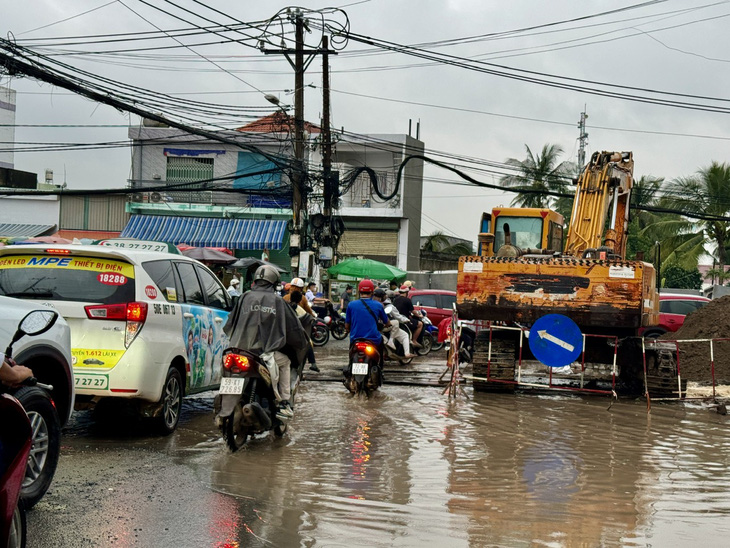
[{"x": 361, "y": 322}]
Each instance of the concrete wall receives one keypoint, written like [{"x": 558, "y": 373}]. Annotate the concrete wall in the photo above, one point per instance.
[{"x": 434, "y": 280}]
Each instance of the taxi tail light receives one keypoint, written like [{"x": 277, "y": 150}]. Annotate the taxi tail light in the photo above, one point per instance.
[
  {"x": 236, "y": 363},
  {"x": 134, "y": 313}
]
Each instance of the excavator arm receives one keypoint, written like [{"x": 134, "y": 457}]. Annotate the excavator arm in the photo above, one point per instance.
[{"x": 600, "y": 213}]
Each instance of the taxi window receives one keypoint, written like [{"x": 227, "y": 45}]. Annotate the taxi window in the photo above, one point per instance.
[
  {"x": 192, "y": 293},
  {"x": 447, "y": 301},
  {"x": 163, "y": 274},
  {"x": 63, "y": 278},
  {"x": 216, "y": 293}
]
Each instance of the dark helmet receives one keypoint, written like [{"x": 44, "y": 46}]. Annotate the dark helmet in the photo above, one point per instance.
[
  {"x": 379, "y": 293},
  {"x": 267, "y": 273}
]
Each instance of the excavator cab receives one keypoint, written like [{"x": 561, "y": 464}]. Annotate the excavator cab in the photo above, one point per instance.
[{"x": 513, "y": 232}]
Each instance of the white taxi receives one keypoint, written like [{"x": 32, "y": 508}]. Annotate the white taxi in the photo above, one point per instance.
[{"x": 145, "y": 325}]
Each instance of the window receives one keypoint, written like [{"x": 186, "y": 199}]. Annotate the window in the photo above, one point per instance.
[
  {"x": 447, "y": 301},
  {"x": 217, "y": 295},
  {"x": 675, "y": 306},
  {"x": 111, "y": 283},
  {"x": 188, "y": 170},
  {"x": 526, "y": 232},
  {"x": 192, "y": 294},
  {"x": 556, "y": 237},
  {"x": 425, "y": 300},
  {"x": 163, "y": 274}
]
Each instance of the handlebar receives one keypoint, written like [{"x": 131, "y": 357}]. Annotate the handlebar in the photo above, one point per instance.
[{"x": 32, "y": 381}]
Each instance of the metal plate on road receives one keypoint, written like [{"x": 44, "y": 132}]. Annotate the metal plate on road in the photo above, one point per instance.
[
  {"x": 556, "y": 340},
  {"x": 231, "y": 385},
  {"x": 359, "y": 368}
]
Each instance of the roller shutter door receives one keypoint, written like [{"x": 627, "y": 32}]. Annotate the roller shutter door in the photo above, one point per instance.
[{"x": 369, "y": 242}]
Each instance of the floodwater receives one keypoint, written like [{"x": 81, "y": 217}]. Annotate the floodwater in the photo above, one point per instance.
[{"x": 408, "y": 467}]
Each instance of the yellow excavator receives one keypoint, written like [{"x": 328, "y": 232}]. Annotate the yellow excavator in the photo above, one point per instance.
[{"x": 523, "y": 272}]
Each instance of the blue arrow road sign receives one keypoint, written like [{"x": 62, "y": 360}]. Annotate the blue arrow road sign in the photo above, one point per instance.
[{"x": 556, "y": 340}]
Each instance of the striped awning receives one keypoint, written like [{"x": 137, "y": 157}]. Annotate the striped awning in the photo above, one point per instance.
[
  {"x": 207, "y": 232},
  {"x": 10, "y": 230}
]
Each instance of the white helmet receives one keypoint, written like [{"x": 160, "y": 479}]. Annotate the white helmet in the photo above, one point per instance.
[{"x": 298, "y": 282}]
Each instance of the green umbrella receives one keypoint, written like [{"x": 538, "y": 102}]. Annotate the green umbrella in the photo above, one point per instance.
[{"x": 367, "y": 268}]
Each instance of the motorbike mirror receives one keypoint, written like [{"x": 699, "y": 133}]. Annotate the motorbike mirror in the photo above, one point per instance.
[{"x": 35, "y": 322}]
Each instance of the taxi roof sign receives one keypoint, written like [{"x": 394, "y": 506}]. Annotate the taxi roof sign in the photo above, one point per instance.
[{"x": 138, "y": 245}]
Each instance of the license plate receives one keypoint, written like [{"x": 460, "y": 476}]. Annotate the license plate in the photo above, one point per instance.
[
  {"x": 90, "y": 381},
  {"x": 231, "y": 385},
  {"x": 359, "y": 368}
]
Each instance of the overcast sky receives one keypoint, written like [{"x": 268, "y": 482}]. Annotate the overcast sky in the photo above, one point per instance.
[{"x": 678, "y": 46}]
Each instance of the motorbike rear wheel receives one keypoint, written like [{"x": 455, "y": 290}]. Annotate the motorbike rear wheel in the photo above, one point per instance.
[
  {"x": 44, "y": 452},
  {"x": 426, "y": 344},
  {"x": 320, "y": 334},
  {"x": 338, "y": 331},
  {"x": 235, "y": 436}
]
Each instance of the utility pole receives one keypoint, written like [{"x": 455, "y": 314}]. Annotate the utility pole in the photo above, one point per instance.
[
  {"x": 300, "y": 65},
  {"x": 583, "y": 139}
]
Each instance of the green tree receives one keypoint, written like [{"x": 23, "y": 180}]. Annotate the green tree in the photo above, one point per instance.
[
  {"x": 539, "y": 175},
  {"x": 681, "y": 278},
  {"x": 706, "y": 193},
  {"x": 643, "y": 233}
]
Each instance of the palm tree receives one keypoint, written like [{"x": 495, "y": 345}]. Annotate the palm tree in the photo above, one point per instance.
[
  {"x": 706, "y": 193},
  {"x": 438, "y": 242},
  {"x": 538, "y": 177}
]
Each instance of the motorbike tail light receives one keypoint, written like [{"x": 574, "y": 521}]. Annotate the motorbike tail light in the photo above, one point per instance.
[
  {"x": 368, "y": 348},
  {"x": 236, "y": 363}
]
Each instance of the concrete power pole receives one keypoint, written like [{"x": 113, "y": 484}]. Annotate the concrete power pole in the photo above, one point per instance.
[
  {"x": 299, "y": 64},
  {"x": 583, "y": 139}
]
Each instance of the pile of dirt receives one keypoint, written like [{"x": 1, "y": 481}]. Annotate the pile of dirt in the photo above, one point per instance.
[{"x": 712, "y": 321}]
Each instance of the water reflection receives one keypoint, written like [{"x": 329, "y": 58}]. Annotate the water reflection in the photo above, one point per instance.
[{"x": 408, "y": 467}]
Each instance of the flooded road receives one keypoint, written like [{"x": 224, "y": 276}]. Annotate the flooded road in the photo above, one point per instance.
[{"x": 405, "y": 468}]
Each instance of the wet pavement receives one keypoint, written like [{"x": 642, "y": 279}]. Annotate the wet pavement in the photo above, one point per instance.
[{"x": 404, "y": 468}]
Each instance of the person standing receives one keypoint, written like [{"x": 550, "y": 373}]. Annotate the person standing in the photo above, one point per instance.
[
  {"x": 265, "y": 255},
  {"x": 346, "y": 298}
]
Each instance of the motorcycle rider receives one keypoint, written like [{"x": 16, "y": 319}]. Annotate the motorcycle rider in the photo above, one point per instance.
[
  {"x": 262, "y": 323},
  {"x": 11, "y": 373},
  {"x": 297, "y": 285},
  {"x": 396, "y": 333},
  {"x": 404, "y": 305},
  {"x": 361, "y": 318}
]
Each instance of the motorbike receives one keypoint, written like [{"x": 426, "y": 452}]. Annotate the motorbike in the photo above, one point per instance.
[
  {"x": 15, "y": 443},
  {"x": 334, "y": 320},
  {"x": 29, "y": 432},
  {"x": 466, "y": 340},
  {"x": 432, "y": 330},
  {"x": 363, "y": 375},
  {"x": 320, "y": 332},
  {"x": 246, "y": 404},
  {"x": 35, "y": 397}
]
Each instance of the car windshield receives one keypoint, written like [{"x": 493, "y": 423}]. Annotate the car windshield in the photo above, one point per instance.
[{"x": 85, "y": 279}]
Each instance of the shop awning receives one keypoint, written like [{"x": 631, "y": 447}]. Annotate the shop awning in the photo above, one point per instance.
[
  {"x": 207, "y": 232},
  {"x": 17, "y": 230}
]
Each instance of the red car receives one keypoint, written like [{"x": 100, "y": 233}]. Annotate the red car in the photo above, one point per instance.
[
  {"x": 438, "y": 303},
  {"x": 673, "y": 307}
]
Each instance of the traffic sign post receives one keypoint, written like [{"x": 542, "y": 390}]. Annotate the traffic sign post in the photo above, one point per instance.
[{"x": 556, "y": 340}]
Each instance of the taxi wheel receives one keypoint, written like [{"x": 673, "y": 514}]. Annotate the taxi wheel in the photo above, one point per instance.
[{"x": 171, "y": 402}]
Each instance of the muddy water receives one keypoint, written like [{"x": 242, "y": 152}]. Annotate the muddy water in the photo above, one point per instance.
[{"x": 407, "y": 468}]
